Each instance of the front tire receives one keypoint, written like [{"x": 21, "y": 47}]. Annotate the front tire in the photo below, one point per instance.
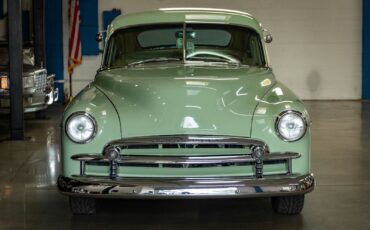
[
  {"x": 82, "y": 205},
  {"x": 290, "y": 205}
]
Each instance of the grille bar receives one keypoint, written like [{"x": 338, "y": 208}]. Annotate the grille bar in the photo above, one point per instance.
[
  {"x": 184, "y": 160},
  {"x": 40, "y": 80},
  {"x": 186, "y": 140}
]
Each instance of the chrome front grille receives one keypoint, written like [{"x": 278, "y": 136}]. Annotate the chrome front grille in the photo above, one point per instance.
[
  {"x": 40, "y": 81},
  {"x": 249, "y": 152},
  {"x": 185, "y": 146}
]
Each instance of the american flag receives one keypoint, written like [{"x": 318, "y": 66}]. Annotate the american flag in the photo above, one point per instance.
[{"x": 74, "y": 51}]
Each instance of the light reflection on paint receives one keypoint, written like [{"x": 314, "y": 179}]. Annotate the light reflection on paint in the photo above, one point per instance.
[
  {"x": 240, "y": 93},
  {"x": 266, "y": 82},
  {"x": 206, "y": 17},
  {"x": 223, "y": 102},
  {"x": 278, "y": 91},
  {"x": 193, "y": 107},
  {"x": 197, "y": 83},
  {"x": 239, "y": 114},
  {"x": 203, "y": 87},
  {"x": 261, "y": 110},
  {"x": 189, "y": 123},
  {"x": 271, "y": 103},
  {"x": 191, "y": 92},
  {"x": 208, "y": 78}
]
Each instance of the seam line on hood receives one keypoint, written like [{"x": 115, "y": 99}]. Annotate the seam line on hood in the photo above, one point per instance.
[
  {"x": 119, "y": 118},
  {"x": 254, "y": 111}
]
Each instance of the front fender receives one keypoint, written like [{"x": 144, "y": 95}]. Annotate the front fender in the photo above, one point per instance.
[
  {"x": 277, "y": 100},
  {"x": 90, "y": 100}
]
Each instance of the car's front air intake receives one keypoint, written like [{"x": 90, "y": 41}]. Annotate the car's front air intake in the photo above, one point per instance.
[
  {"x": 40, "y": 80},
  {"x": 252, "y": 153}
]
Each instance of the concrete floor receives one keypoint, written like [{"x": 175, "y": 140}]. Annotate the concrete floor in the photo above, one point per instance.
[{"x": 340, "y": 161}]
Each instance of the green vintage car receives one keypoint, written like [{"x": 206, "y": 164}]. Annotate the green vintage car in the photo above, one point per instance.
[{"x": 185, "y": 105}]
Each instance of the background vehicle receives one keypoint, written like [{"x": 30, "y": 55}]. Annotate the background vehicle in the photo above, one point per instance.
[{"x": 38, "y": 86}]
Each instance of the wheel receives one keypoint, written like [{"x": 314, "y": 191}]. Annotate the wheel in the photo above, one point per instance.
[
  {"x": 82, "y": 205},
  {"x": 291, "y": 205}
]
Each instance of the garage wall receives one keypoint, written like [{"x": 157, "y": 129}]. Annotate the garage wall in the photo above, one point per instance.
[{"x": 316, "y": 49}]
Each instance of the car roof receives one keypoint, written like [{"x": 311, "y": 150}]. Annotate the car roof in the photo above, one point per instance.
[{"x": 181, "y": 15}]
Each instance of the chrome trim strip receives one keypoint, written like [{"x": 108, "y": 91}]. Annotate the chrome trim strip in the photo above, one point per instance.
[
  {"x": 207, "y": 10},
  {"x": 88, "y": 158},
  {"x": 218, "y": 187},
  {"x": 189, "y": 139}
]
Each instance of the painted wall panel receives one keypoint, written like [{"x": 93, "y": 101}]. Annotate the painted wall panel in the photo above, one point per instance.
[
  {"x": 54, "y": 42},
  {"x": 89, "y": 26},
  {"x": 366, "y": 51}
]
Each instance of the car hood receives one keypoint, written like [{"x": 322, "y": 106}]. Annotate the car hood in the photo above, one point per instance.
[{"x": 185, "y": 99}]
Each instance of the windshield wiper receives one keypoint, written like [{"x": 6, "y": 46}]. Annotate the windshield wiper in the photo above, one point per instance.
[
  {"x": 214, "y": 60},
  {"x": 160, "y": 59}
]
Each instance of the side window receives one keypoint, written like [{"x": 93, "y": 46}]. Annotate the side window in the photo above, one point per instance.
[
  {"x": 255, "y": 49},
  {"x": 111, "y": 52}
]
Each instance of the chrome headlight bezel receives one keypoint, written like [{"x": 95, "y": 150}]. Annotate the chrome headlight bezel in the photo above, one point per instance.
[
  {"x": 291, "y": 112},
  {"x": 29, "y": 82},
  {"x": 74, "y": 116}
]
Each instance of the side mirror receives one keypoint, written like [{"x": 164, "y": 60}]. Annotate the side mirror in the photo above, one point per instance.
[
  {"x": 99, "y": 37},
  {"x": 266, "y": 35},
  {"x": 268, "y": 38}
]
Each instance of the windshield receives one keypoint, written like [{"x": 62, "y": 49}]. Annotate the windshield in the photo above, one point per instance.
[{"x": 215, "y": 43}]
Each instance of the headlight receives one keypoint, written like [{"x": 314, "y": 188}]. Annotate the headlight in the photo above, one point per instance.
[
  {"x": 4, "y": 82},
  {"x": 28, "y": 82},
  {"x": 81, "y": 127},
  {"x": 291, "y": 126}
]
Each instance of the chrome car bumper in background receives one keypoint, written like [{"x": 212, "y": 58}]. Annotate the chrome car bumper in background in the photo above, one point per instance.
[
  {"x": 52, "y": 96},
  {"x": 218, "y": 187},
  {"x": 34, "y": 98},
  {"x": 32, "y": 102}
]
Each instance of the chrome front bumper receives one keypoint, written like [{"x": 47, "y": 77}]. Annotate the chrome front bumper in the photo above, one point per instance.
[
  {"x": 220, "y": 187},
  {"x": 115, "y": 156}
]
